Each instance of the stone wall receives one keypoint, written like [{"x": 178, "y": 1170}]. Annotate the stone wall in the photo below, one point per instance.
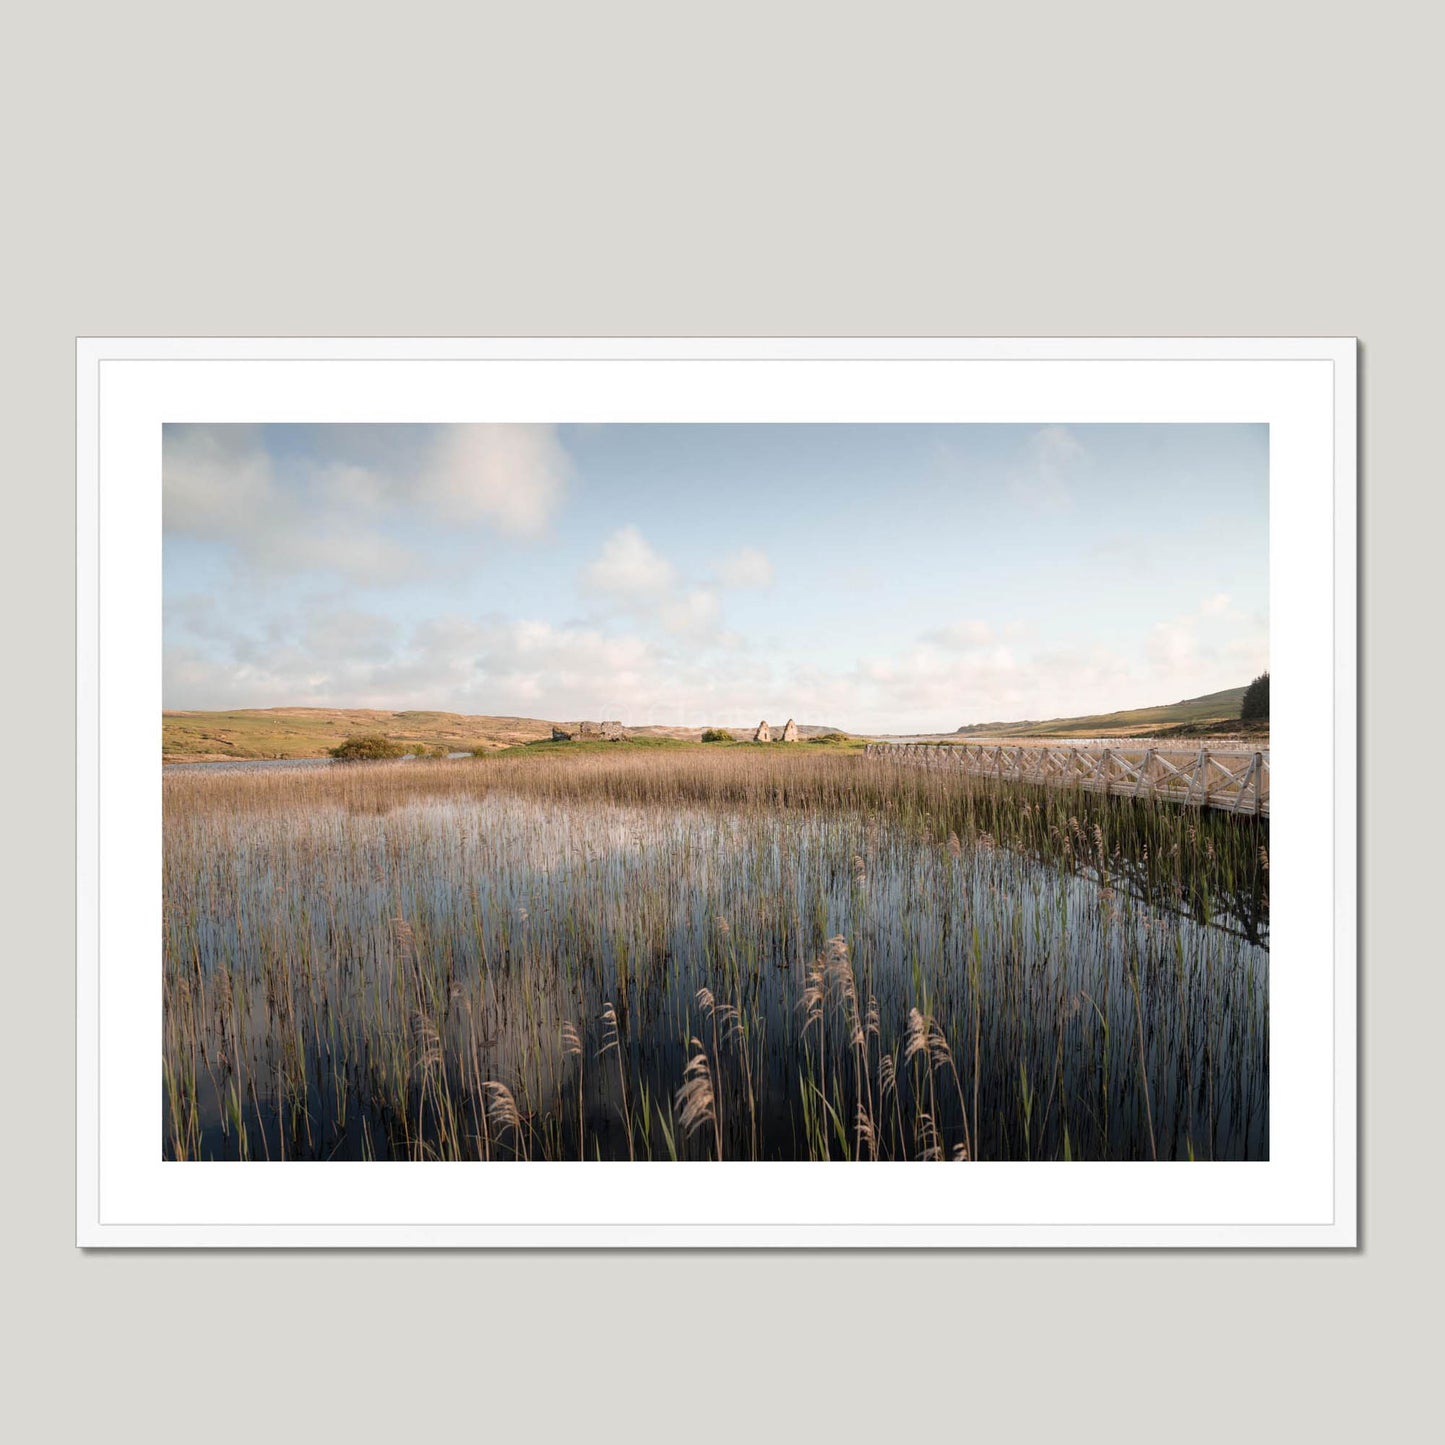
[{"x": 608, "y": 732}]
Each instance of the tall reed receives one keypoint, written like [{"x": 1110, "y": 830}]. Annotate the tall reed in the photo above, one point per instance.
[{"x": 708, "y": 954}]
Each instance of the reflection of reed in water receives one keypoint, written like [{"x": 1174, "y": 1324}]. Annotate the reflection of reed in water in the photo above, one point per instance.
[{"x": 499, "y": 961}]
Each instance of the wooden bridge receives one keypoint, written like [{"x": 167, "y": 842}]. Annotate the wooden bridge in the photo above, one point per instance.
[{"x": 1236, "y": 781}]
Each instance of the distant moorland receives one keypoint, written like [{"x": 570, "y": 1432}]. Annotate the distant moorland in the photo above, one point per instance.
[
  {"x": 309, "y": 732},
  {"x": 1216, "y": 712}
]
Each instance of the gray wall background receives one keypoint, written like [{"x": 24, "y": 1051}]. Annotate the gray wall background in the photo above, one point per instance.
[{"x": 363, "y": 169}]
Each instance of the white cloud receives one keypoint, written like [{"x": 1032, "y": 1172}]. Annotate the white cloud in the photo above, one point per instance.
[
  {"x": 221, "y": 484},
  {"x": 697, "y": 612},
  {"x": 634, "y": 579},
  {"x": 217, "y": 482},
  {"x": 491, "y": 665},
  {"x": 961, "y": 636},
  {"x": 747, "y": 569},
  {"x": 935, "y": 686},
  {"x": 509, "y": 476},
  {"x": 343, "y": 656},
  {"x": 1207, "y": 650},
  {"x": 346, "y": 516},
  {"x": 629, "y": 570},
  {"x": 345, "y": 632},
  {"x": 1173, "y": 645}
]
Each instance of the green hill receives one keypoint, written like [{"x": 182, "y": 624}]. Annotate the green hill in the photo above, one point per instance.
[{"x": 1216, "y": 712}]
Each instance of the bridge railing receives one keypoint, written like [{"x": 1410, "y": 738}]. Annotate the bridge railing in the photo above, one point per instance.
[{"x": 1234, "y": 780}]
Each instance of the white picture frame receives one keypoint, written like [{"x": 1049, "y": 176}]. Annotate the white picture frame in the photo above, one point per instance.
[{"x": 1304, "y": 389}]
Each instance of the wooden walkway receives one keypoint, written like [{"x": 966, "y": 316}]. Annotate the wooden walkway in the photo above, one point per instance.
[{"x": 1236, "y": 781}]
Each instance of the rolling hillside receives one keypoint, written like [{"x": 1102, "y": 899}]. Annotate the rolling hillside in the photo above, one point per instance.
[
  {"x": 1216, "y": 712},
  {"x": 308, "y": 732}
]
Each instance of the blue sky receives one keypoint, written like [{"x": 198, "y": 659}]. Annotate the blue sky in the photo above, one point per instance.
[{"x": 876, "y": 578}]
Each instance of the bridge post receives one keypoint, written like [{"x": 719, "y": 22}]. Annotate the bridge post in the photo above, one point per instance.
[
  {"x": 1145, "y": 785},
  {"x": 1200, "y": 779}
]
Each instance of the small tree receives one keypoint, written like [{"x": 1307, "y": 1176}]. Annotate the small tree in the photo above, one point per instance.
[
  {"x": 1255, "y": 707},
  {"x": 366, "y": 748},
  {"x": 717, "y": 735}
]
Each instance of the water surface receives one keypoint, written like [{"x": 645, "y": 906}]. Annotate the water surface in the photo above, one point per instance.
[{"x": 351, "y": 983}]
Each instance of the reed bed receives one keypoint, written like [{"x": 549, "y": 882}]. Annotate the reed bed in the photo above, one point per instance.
[{"x": 721, "y": 953}]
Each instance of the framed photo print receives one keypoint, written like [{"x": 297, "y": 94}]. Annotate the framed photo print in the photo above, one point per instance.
[{"x": 717, "y": 792}]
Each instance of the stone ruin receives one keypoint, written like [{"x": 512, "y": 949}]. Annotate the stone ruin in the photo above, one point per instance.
[
  {"x": 764, "y": 733},
  {"x": 607, "y": 732}
]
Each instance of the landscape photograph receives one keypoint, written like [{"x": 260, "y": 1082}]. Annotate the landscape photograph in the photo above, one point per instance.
[{"x": 716, "y": 792}]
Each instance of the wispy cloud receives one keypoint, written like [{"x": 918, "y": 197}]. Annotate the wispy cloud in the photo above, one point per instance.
[
  {"x": 961, "y": 636},
  {"x": 747, "y": 569},
  {"x": 1045, "y": 480},
  {"x": 352, "y": 515},
  {"x": 697, "y": 613},
  {"x": 1214, "y": 640},
  {"x": 511, "y": 477},
  {"x": 629, "y": 570},
  {"x": 219, "y": 483},
  {"x": 629, "y": 575},
  {"x": 344, "y": 656}
]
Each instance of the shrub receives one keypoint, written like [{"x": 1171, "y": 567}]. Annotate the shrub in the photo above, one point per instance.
[
  {"x": 1255, "y": 707},
  {"x": 830, "y": 738},
  {"x": 718, "y": 735},
  {"x": 366, "y": 748}
]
